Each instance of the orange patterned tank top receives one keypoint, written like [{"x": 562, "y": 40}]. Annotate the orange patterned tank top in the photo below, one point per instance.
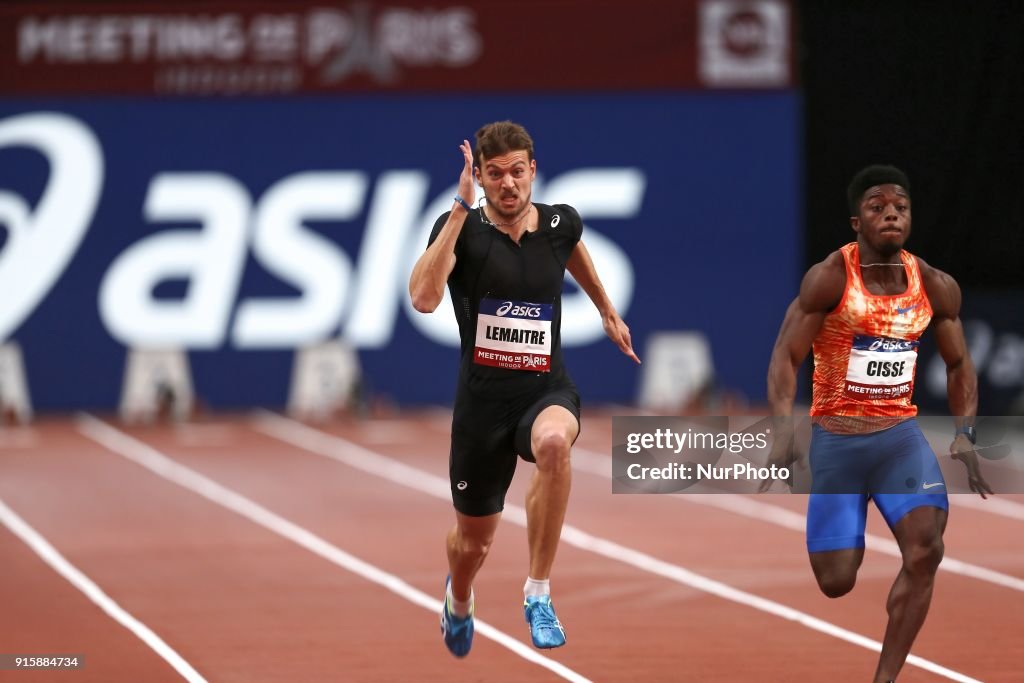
[{"x": 866, "y": 351}]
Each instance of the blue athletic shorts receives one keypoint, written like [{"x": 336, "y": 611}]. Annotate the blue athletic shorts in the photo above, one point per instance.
[{"x": 895, "y": 467}]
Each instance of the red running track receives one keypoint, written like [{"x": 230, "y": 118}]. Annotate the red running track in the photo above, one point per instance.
[{"x": 238, "y": 601}]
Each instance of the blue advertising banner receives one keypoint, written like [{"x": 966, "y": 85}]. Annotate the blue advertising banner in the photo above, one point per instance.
[
  {"x": 242, "y": 230},
  {"x": 993, "y": 324}
]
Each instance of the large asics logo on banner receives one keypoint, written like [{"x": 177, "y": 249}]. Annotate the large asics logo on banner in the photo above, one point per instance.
[
  {"x": 37, "y": 243},
  {"x": 360, "y": 298}
]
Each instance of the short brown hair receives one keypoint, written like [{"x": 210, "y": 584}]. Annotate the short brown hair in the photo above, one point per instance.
[{"x": 501, "y": 137}]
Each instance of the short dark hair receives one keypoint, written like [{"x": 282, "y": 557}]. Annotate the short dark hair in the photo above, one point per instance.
[
  {"x": 499, "y": 138},
  {"x": 869, "y": 177}
]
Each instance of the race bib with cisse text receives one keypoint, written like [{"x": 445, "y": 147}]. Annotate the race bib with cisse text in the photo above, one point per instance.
[{"x": 880, "y": 367}]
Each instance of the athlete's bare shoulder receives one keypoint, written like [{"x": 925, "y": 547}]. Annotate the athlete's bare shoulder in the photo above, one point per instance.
[
  {"x": 822, "y": 287},
  {"x": 942, "y": 290}
]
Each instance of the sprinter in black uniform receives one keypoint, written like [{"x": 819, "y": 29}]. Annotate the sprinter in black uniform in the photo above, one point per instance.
[{"x": 504, "y": 263}]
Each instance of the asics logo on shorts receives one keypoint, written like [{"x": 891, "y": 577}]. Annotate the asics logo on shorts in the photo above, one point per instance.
[{"x": 461, "y": 486}]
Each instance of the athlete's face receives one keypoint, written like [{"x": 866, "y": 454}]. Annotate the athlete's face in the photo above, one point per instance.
[
  {"x": 507, "y": 181},
  {"x": 884, "y": 220}
]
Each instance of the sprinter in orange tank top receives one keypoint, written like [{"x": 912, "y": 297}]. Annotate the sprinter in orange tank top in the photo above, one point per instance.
[{"x": 863, "y": 310}]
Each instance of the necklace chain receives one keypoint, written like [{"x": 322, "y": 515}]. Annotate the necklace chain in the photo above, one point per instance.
[
  {"x": 485, "y": 219},
  {"x": 877, "y": 265}
]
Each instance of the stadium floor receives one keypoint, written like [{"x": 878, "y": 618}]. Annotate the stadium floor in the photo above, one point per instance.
[{"x": 255, "y": 548}]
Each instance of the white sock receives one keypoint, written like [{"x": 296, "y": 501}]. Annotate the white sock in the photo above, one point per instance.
[
  {"x": 537, "y": 587},
  {"x": 459, "y": 608}
]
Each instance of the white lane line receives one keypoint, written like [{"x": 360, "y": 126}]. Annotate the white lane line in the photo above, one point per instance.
[
  {"x": 52, "y": 557},
  {"x": 600, "y": 464},
  {"x": 153, "y": 460},
  {"x": 355, "y": 456},
  {"x": 995, "y": 506}
]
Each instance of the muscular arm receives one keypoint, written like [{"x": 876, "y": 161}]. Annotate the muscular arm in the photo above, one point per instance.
[
  {"x": 820, "y": 292},
  {"x": 581, "y": 267},
  {"x": 961, "y": 379},
  {"x": 430, "y": 274}
]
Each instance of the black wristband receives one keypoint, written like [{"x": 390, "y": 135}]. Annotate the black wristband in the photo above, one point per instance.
[{"x": 969, "y": 432}]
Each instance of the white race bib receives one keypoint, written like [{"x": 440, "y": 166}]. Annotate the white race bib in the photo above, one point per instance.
[
  {"x": 880, "y": 367},
  {"x": 515, "y": 335}
]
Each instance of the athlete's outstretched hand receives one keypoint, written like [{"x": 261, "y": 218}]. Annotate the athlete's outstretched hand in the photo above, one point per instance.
[
  {"x": 617, "y": 330},
  {"x": 963, "y": 450},
  {"x": 467, "y": 188}
]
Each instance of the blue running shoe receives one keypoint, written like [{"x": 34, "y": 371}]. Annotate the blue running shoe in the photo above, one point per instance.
[
  {"x": 545, "y": 629},
  {"x": 457, "y": 631}
]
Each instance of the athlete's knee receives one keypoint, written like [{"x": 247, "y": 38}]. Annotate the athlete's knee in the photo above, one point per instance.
[
  {"x": 474, "y": 547},
  {"x": 836, "y": 571},
  {"x": 923, "y": 558},
  {"x": 836, "y": 579},
  {"x": 836, "y": 584},
  {"x": 551, "y": 449}
]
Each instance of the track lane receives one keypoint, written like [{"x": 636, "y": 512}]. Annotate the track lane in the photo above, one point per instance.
[
  {"x": 42, "y": 611},
  {"x": 370, "y": 624},
  {"x": 993, "y": 613},
  {"x": 603, "y": 502},
  {"x": 671, "y": 632},
  {"x": 44, "y": 614},
  {"x": 236, "y": 601}
]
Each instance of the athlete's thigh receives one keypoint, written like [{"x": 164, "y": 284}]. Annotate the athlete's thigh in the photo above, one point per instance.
[
  {"x": 482, "y": 460},
  {"x": 839, "y": 463},
  {"x": 909, "y": 476},
  {"x": 922, "y": 525},
  {"x": 836, "y": 521},
  {"x": 558, "y": 410}
]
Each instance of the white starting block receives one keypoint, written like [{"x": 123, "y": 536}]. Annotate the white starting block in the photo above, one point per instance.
[
  {"x": 14, "y": 398},
  {"x": 324, "y": 380},
  {"x": 157, "y": 384},
  {"x": 677, "y": 367}
]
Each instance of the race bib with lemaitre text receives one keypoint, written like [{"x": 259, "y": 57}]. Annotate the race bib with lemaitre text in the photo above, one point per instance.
[{"x": 515, "y": 335}]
